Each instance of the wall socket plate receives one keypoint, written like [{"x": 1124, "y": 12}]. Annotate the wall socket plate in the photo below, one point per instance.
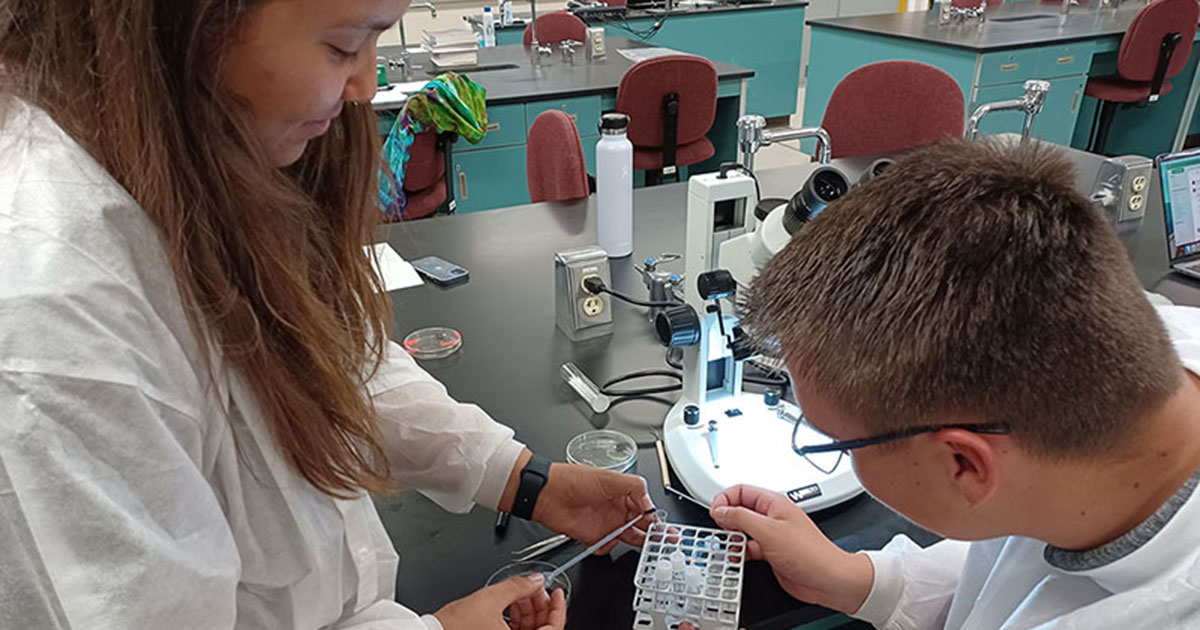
[{"x": 579, "y": 314}]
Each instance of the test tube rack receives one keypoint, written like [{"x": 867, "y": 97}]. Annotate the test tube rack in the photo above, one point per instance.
[{"x": 689, "y": 573}]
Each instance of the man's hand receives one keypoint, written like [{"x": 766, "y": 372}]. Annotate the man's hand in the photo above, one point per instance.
[
  {"x": 807, "y": 564},
  {"x": 529, "y": 606},
  {"x": 587, "y": 503}
]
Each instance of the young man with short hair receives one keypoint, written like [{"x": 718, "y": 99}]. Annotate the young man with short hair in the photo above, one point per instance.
[{"x": 975, "y": 314}]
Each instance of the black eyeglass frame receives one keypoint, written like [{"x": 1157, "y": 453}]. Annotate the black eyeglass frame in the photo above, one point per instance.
[{"x": 845, "y": 446}]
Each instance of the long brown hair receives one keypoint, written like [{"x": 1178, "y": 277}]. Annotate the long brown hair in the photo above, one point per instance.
[{"x": 269, "y": 262}]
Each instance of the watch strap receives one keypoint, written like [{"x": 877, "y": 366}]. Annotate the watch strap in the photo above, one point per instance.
[{"x": 534, "y": 477}]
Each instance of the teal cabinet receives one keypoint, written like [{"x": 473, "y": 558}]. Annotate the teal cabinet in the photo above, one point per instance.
[
  {"x": 489, "y": 178},
  {"x": 584, "y": 110},
  {"x": 765, "y": 39},
  {"x": 1056, "y": 123},
  {"x": 506, "y": 127}
]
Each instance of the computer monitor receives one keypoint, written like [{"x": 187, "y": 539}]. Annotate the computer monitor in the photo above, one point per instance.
[{"x": 1179, "y": 176}]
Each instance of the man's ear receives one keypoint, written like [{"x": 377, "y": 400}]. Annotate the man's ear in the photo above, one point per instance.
[{"x": 971, "y": 461}]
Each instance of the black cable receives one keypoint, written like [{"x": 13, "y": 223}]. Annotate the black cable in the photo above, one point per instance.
[
  {"x": 731, "y": 166},
  {"x": 607, "y": 387},
  {"x": 596, "y": 286},
  {"x": 637, "y": 302}
]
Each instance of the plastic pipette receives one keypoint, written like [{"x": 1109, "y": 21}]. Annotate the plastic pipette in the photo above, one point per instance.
[{"x": 591, "y": 550}]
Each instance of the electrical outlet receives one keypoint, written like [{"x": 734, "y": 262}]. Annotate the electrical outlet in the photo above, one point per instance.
[
  {"x": 593, "y": 306},
  {"x": 1139, "y": 183},
  {"x": 1135, "y": 203}
]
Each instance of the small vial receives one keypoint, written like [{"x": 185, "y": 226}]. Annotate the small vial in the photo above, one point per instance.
[
  {"x": 694, "y": 578},
  {"x": 662, "y": 572},
  {"x": 714, "y": 543},
  {"x": 678, "y": 561}
]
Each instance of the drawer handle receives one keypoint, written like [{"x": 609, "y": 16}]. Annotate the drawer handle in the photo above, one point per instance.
[
  {"x": 493, "y": 126},
  {"x": 1007, "y": 67},
  {"x": 574, "y": 118},
  {"x": 1075, "y": 101},
  {"x": 1062, "y": 61},
  {"x": 462, "y": 185}
]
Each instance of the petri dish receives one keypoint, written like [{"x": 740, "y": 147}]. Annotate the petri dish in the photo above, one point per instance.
[
  {"x": 603, "y": 448},
  {"x": 433, "y": 343},
  {"x": 529, "y": 568}
]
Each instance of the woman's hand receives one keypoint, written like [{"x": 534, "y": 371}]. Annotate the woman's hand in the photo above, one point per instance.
[
  {"x": 807, "y": 564},
  {"x": 587, "y": 503},
  {"x": 529, "y": 606}
]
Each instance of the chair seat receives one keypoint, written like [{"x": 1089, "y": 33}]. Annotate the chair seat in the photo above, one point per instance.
[
  {"x": 423, "y": 203},
  {"x": 1114, "y": 89},
  {"x": 685, "y": 155}
]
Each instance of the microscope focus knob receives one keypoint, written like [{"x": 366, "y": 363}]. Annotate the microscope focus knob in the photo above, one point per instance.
[
  {"x": 678, "y": 326},
  {"x": 771, "y": 397},
  {"x": 691, "y": 415}
]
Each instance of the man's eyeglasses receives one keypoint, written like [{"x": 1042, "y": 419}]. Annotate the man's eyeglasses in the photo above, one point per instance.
[{"x": 827, "y": 456}]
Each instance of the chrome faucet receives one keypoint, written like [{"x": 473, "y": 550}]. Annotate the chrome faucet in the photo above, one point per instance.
[
  {"x": 1030, "y": 103},
  {"x": 753, "y": 135},
  {"x": 403, "y": 38},
  {"x": 1064, "y": 10},
  {"x": 538, "y": 48}
]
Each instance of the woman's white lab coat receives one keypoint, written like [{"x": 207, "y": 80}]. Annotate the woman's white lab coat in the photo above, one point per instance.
[
  {"x": 127, "y": 499},
  {"x": 1007, "y": 583}
]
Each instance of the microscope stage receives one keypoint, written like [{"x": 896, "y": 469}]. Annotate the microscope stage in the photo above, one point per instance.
[{"x": 754, "y": 446}]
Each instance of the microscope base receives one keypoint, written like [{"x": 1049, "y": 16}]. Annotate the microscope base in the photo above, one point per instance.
[{"x": 753, "y": 448}]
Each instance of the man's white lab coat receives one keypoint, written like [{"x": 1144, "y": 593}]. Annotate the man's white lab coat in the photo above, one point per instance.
[
  {"x": 1007, "y": 583},
  {"x": 127, "y": 499}
]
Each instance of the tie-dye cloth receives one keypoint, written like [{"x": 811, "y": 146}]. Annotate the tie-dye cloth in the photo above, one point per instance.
[{"x": 449, "y": 103}]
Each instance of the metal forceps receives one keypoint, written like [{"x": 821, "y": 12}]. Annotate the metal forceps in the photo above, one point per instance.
[{"x": 541, "y": 547}]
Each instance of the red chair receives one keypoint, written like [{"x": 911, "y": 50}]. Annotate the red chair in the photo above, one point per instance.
[
  {"x": 1156, "y": 46},
  {"x": 554, "y": 166},
  {"x": 557, "y": 27},
  {"x": 891, "y": 106},
  {"x": 425, "y": 185},
  {"x": 671, "y": 102}
]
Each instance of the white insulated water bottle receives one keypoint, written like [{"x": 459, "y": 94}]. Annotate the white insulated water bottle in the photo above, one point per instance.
[{"x": 614, "y": 187}]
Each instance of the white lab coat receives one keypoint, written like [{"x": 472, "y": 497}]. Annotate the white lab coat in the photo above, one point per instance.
[
  {"x": 127, "y": 499},
  {"x": 1006, "y": 582}
]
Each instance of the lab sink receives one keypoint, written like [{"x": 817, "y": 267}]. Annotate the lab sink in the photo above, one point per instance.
[
  {"x": 1024, "y": 18},
  {"x": 434, "y": 71}
]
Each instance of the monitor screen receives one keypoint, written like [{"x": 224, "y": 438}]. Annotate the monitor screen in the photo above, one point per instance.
[{"x": 1180, "y": 177}]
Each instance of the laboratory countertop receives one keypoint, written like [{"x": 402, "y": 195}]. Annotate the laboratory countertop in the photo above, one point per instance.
[
  {"x": 1012, "y": 25},
  {"x": 509, "y": 365},
  {"x": 510, "y": 75},
  {"x": 691, "y": 8}
]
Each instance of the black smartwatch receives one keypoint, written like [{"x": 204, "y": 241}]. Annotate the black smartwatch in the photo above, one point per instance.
[{"x": 533, "y": 478}]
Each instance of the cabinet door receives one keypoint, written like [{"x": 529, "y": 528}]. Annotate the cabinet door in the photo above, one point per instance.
[
  {"x": 1055, "y": 123},
  {"x": 489, "y": 179}
]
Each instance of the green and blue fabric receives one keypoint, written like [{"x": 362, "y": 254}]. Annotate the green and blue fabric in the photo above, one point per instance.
[{"x": 449, "y": 103}]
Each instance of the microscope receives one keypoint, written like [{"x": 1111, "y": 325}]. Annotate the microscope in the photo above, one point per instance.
[{"x": 718, "y": 434}]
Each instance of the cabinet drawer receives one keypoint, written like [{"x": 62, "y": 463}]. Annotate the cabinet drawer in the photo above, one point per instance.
[
  {"x": 1061, "y": 61},
  {"x": 506, "y": 127},
  {"x": 488, "y": 179},
  {"x": 1010, "y": 66},
  {"x": 585, "y": 110}
]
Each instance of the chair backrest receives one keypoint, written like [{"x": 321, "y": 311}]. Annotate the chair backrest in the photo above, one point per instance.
[
  {"x": 557, "y": 27},
  {"x": 555, "y": 169},
  {"x": 1142, "y": 43},
  {"x": 640, "y": 96},
  {"x": 426, "y": 163},
  {"x": 968, "y": 4},
  {"x": 891, "y": 106}
]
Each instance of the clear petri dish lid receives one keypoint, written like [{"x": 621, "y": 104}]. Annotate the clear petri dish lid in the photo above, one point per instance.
[
  {"x": 603, "y": 448},
  {"x": 433, "y": 343}
]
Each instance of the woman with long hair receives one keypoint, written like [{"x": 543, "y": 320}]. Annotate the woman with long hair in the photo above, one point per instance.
[{"x": 197, "y": 391}]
